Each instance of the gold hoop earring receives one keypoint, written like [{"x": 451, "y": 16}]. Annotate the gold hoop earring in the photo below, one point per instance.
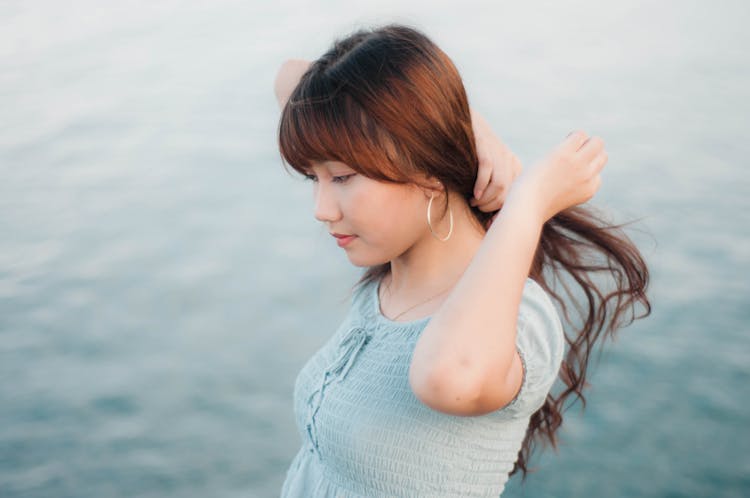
[{"x": 429, "y": 221}]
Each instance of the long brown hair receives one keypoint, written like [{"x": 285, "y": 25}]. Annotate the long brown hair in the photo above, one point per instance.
[{"x": 391, "y": 105}]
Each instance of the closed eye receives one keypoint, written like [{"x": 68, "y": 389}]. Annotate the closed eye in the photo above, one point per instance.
[
  {"x": 343, "y": 178},
  {"x": 335, "y": 179}
]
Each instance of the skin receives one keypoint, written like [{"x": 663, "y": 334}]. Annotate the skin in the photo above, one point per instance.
[
  {"x": 465, "y": 361},
  {"x": 389, "y": 222},
  {"x": 498, "y": 166}
]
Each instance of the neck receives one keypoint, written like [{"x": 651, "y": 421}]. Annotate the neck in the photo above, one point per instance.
[{"x": 432, "y": 265}]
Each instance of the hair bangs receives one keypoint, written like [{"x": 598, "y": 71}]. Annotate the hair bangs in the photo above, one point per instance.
[{"x": 336, "y": 128}]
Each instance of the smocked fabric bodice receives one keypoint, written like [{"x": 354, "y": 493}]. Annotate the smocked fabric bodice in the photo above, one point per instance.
[{"x": 365, "y": 434}]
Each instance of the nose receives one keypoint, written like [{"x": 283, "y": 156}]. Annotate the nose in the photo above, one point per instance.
[{"x": 326, "y": 204}]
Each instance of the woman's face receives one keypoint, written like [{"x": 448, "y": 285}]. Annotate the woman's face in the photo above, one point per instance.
[{"x": 383, "y": 220}]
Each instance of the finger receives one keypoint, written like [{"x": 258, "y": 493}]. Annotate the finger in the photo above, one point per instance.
[
  {"x": 575, "y": 140},
  {"x": 484, "y": 201},
  {"x": 491, "y": 206},
  {"x": 591, "y": 148},
  {"x": 489, "y": 190},
  {"x": 514, "y": 170},
  {"x": 483, "y": 177},
  {"x": 597, "y": 182},
  {"x": 493, "y": 198},
  {"x": 592, "y": 186},
  {"x": 599, "y": 161},
  {"x": 492, "y": 191}
]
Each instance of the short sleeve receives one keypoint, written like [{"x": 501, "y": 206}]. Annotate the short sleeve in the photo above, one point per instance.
[{"x": 540, "y": 342}]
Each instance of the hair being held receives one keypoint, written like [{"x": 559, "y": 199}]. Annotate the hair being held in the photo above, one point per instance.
[{"x": 391, "y": 105}]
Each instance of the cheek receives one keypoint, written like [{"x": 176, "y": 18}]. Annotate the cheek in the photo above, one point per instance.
[
  {"x": 396, "y": 215},
  {"x": 388, "y": 221}
]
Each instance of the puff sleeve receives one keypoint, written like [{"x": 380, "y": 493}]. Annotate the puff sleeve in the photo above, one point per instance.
[{"x": 540, "y": 342}]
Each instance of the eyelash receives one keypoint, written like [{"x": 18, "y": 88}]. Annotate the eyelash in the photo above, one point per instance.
[{"x": 336, "y": 179}]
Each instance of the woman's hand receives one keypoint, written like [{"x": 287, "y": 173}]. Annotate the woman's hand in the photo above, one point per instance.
[
  {"x": 287, "y": 78},
  {"x": 568, "y": 176},
  {"x": 498, "y": 166}
]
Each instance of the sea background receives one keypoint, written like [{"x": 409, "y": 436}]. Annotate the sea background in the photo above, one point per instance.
[{"x": 162, "y": 278}]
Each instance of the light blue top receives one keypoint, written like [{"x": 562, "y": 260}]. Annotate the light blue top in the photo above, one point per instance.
[{"x": 365, "y": 434}]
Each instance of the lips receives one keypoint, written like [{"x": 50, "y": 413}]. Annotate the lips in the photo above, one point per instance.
[{"x": 343, "y": 239}]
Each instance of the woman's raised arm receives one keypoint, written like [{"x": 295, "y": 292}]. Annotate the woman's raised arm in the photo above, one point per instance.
[{"x": 465, "y": 361}]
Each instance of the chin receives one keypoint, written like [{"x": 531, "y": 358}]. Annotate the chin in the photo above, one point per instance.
[
  {"x": 360, "y": 263},
  {"x": 364, "y": 262}
]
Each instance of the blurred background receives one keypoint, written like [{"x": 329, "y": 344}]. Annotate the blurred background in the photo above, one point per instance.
[{"x": 162, "y": 279}]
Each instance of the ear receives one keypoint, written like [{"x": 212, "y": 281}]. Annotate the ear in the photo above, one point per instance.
[{"x": 432, "y": 186}]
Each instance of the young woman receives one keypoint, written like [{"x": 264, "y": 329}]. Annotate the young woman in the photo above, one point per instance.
[{"x": 437, "y": 383}]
